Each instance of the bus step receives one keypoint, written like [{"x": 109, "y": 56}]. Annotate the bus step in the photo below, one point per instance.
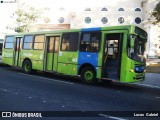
[
  {"x": 111, "y": 69},
  {"x": 112, "y": 63},
  {"x": 112, "y": 75}
]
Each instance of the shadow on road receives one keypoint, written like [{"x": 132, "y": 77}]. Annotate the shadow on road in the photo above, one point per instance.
[{"x": 106, "y": 84}]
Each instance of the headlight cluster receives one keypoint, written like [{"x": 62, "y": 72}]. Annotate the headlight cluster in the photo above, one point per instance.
[{"x": 139, "y": 69}]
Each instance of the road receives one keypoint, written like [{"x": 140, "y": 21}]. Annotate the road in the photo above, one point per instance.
[{"x": 48, "y": 92}]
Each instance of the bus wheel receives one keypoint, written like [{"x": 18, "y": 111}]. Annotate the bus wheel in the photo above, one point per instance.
[
  {"x": 88, "y": 76},
  {"x": 27, "y": 66}
]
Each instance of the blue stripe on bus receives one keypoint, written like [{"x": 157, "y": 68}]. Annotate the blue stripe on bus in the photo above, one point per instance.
[
  {"x": 91, "y": 29},
  {"x": 88, "y": 57}
]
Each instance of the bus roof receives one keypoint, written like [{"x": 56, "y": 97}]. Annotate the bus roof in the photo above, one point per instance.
[{"x": 74, "y": 30}]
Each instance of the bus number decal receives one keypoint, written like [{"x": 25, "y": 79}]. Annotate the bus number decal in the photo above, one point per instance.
[{"x": 60, "y": 53}]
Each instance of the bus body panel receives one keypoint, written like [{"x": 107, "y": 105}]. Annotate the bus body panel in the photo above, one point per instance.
[
  {"x": 91, "y": 29},
  {"x": 36, "y": 57},
  {"x": 130, "y": 75},
  {"x": 52, "y": 62},
  {"x": 7, "y": 57},
  {"x": 49, "y": 61},
  {"x": 89, "y": 58},
  {"x": 67, "y": 62}
]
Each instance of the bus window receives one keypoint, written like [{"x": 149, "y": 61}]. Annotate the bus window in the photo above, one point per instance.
[
  {"x": 53, "y": 44},
  {"x": 50, "y": 45},
  {"x": 90, "y": 42},
  {"x": 112, "y": 48},
  {"x": 70, "y": 41},
  {"x": 38, "y": 42},
  {"x": 9, "y": 42},
  {"x": 27, "y": 43},
  {"x": 137, "y": 52}
]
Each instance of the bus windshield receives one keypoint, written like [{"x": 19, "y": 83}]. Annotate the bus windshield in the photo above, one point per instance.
[{"x": 137, "y": 51}]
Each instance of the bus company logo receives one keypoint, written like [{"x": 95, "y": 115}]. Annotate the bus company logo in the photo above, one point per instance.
[
  {"x": 8, "y": 1},
  {"x": 6, "y": 114},
  {"x": 21, "y": 114}
]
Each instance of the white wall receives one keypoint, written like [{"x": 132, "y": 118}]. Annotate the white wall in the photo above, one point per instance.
[
  {"x": 112, "y": 14},
  {"x": 153, "y": 44},
  {"x": 73, "y": 12}
]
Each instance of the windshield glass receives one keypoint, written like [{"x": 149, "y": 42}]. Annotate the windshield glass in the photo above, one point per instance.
[{"x": 137, "y": 51}]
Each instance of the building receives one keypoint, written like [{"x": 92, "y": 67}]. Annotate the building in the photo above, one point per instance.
[
  {"x": 153, "y": 44},
  {"x": 63, "y": 14}
]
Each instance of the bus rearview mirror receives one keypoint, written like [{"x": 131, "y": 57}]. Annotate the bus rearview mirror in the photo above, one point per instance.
[
  {"x": 132, "y": 42},
  {"x": 131, "y": 39}
]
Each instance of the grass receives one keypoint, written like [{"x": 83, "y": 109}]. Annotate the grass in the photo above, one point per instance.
[{"x": 153, "y": 68}]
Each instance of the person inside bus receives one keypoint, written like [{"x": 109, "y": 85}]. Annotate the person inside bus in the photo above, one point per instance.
[{"x": 65, "y": 44}]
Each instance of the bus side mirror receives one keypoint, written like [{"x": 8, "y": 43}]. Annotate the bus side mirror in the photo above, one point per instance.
[
  {"x": 132, "y": 38},
  {"x": 132, "y": 42}
]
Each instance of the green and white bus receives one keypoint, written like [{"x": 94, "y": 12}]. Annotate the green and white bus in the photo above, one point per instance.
[{"x": 106, "y": 53}]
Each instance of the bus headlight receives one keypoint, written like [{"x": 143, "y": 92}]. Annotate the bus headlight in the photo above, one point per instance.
[
  {"x": 139, "y": 69},
  {"x": 131, "y": 70}
]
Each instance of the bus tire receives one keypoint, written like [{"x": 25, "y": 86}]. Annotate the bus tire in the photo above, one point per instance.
[
  {"x": 27, "y": 66},
  {"x": 88, "y": 76}
]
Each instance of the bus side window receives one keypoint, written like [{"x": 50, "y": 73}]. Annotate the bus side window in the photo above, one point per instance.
[
  {"x": 70, "y": 41},
  {"x": 65, "y": 44},
  {"x": 85, "y": 42},
  {"x": 9, "y": 43},
  {"x": 38, "y": 42},
  {"x": 90, "y": 42},
  {"x": 112, "y": 48},
  {"x": 27, "y": 42}
]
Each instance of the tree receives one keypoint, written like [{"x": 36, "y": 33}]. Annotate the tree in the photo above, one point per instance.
[
  {"x": 156, "y": 13},
  {"x": 25, "y": 17}
]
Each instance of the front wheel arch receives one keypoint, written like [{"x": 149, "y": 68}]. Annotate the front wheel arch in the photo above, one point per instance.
[
  {"x": 27, "y": 66},
  {"x": 88, "y": 75}
]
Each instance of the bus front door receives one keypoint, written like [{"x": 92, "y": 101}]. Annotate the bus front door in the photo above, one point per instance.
[
  {"x": 52, "y": 53},
  {"x": 17, "y": 51},
  {"x": 112, "y": 56}
]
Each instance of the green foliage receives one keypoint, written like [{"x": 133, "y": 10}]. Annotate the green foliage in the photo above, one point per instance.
[
  {"x": 25, "y": 18},
  {"x": 156, "y": 13}
]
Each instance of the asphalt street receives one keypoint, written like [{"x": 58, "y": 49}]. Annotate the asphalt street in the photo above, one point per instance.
[{"x": 48, "y": 92}]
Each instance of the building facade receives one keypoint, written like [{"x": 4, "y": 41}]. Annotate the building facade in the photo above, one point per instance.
[{"x": 85, "y": 14}]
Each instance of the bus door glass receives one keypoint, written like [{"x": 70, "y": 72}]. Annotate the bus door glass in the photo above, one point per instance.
[
  {"x": 52, "y": 53},
  {"x": 112, "y": 55},
  {"x": 17, "y": 51}
]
